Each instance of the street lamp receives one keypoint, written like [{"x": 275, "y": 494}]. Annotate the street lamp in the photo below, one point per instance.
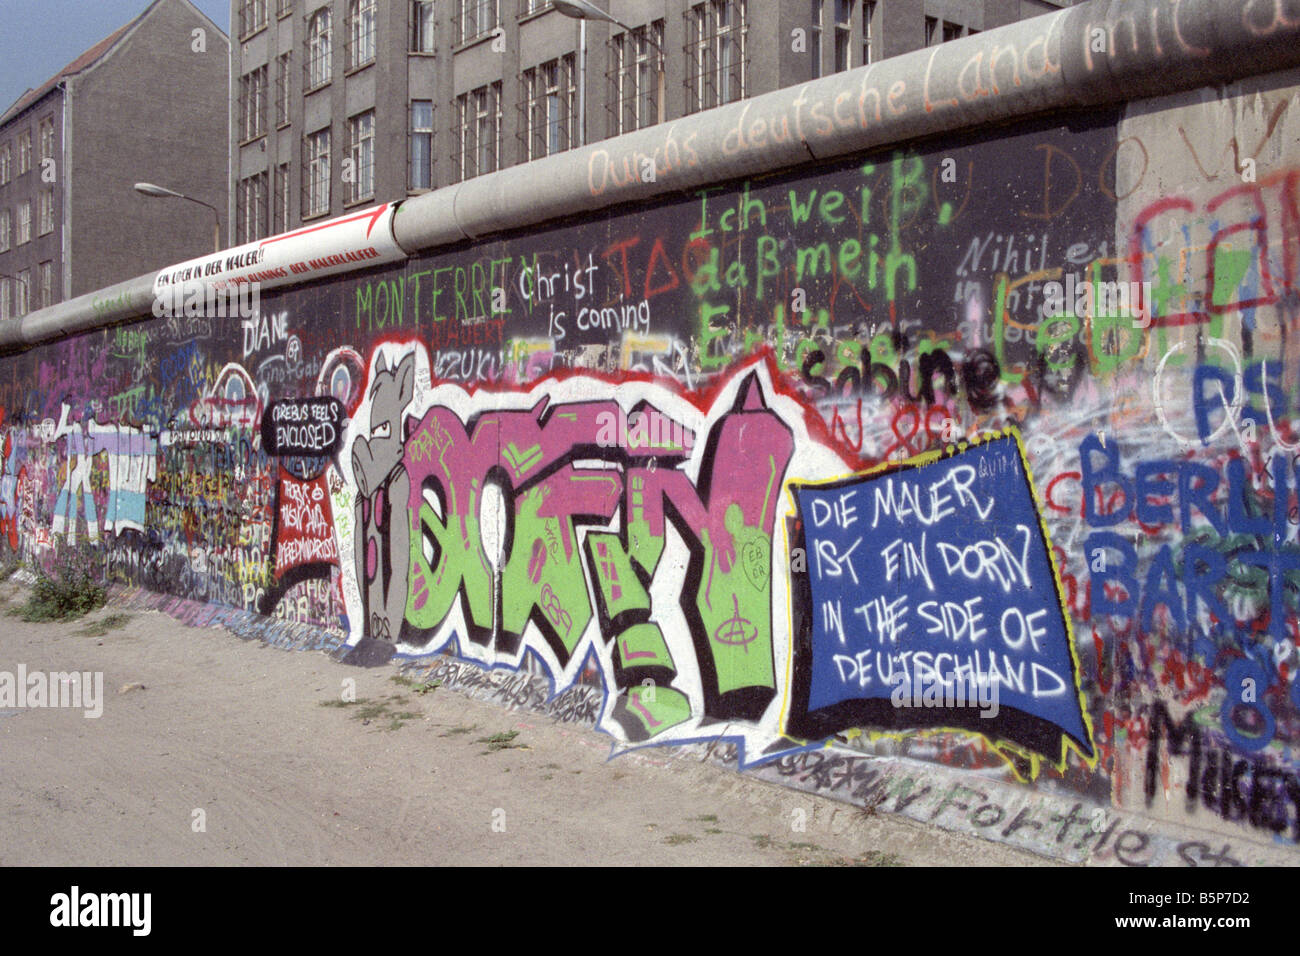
[
  {"x": 582, "y": 11},
  {"x": 149, "y": 189}
]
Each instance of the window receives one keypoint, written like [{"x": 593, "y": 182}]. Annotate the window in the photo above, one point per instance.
[
  {"x": 6, "y": 159},
  {"x": 250, "y": 209},
  {"x": 6, "y": 298},
  {"x": 815, "y": 38},
  {"x": 951, "y": 31},
  {"x": 280, "y": 201},
  {"x": 843, "y": 35},
  {"x": 6, "y": 224},
  {"x": 527, "y": 7},
  {"x": 361, "y": 33},
  {"x": 931, "y": 30},
  {"x": 45, "y": 212},
  {"x": 716, "y": 54},
  {"x": 868, "y": 18},
  {"x": 252, "y": 104},
  {"x": 478, "y": 119},
  {"x": 478, "y": 17},
  {"x": 252, "y": 16},
  {"x": 361, "y": 150},
  {"x": 45, "y": 276},
  {"x": 316, "y": 174},
  {"x": 550, "y": 107},
  {"x": 638, "y": 65},
  {"x": 421, "y": 168},
  {"x": 318, "y": 48},
  {"x": 24, "y": 152},
  {"x": 283, "y": 8},
  {"x": 24, "y": 222},
  {"x": 47, "y": 138},
  {"x": 282, "y": 90},
  {"x": 23, "y": 293},
  {"x": 422, "y": 26}
]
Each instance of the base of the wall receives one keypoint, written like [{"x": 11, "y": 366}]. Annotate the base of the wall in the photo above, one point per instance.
[{"x": 1057, "y": 825}]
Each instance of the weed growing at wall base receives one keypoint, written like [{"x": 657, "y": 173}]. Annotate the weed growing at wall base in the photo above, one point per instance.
[{"x": 74, "y": 590}]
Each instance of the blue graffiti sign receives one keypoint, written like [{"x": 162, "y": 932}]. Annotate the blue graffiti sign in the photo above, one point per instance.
[{"x": 931, "y": 601}]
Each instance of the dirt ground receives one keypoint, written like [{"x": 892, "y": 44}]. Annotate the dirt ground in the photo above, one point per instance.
[{"x": 215, "y": 751}]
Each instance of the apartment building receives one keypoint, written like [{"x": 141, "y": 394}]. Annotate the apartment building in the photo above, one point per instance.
[
  {"x": 344, "y": 103},
  {"x": 144, "y": 104}
]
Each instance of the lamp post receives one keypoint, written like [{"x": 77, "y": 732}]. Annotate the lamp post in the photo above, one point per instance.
[
  {"x": 149, "y": 189},
  {"x": 582, "y": 11}
]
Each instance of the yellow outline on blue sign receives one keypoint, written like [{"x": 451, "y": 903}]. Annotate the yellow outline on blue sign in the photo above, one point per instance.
[{"x": 1005, "y": 749}]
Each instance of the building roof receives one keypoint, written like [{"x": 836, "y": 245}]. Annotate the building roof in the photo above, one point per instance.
[{"x": 85, "y": 61}]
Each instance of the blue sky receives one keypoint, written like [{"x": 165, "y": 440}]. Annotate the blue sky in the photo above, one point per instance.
[{"x": 39, "y": 37}]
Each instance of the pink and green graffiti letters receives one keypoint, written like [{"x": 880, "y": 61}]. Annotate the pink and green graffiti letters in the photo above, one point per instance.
[{"x": 545, "y": 515}]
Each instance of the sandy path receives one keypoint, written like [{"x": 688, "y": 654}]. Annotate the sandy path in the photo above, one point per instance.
[{"x": 237, "y": 730}]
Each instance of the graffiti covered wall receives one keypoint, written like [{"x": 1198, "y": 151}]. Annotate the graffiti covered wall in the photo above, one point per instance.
[{"x": 780, "y": 462}]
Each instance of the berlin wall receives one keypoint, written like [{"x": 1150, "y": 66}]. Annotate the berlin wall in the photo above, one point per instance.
[{"x": 784, "y": 463}]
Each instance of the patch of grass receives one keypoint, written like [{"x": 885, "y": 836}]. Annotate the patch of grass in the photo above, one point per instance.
[
  {"x": 500, "y": 741},
  {"x": 712, "y": 830},
  {"x": 804, "y": 846},
  {"x": 8, "y": 567},
  {"x": 367, "y": 710},
  {"x": 417, "y": 687},
  {"x": 677, "y": 839},
  {"x": 875, "y": 858},
  {"x": 73, "y": 591},
  {"x": 761, "y": 840},
  {"x": 461, "y": 729},
  {"x": 707, "y": 818},
  {"x": 110, "y": 622}
]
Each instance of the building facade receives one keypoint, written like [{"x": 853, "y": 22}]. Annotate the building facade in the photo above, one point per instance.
[
  {"x": 339, "y": 104},
  {"x": 137, "y": 106}
]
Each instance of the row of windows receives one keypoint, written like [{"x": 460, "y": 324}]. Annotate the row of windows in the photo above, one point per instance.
[
  {"x": 252, "y": 14},
  {"x": 255, "y": 217},
  {"x": 24, "y": 142},
  {"x": 549, "y": 106},
  {"x": 717, "y": 60},
  {"x": 15, "y": 293},
  {"x": 16, "y": 231},
  {"x": 937, "y": 31}
]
